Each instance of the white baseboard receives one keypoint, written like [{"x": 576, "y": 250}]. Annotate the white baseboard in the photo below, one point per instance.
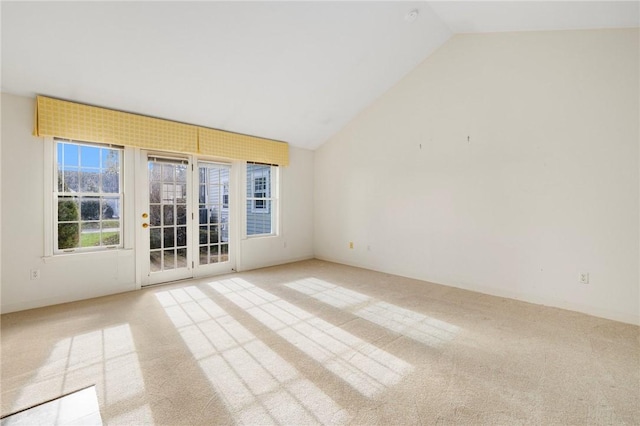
[
  {"x": 277, "y": 263},
  {"x": 51, "y": 301},
  {"x": 537, "y": 300}
]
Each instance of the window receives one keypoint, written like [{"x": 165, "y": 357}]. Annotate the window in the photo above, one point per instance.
[
  {"x": 261, "y": 199},
  {"x": 259, "y": 193},
  {"x": 225, "y": 195},
  {"x": 88, "y": 197}
]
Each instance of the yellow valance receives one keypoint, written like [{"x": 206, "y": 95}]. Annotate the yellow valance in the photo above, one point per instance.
[
  {"x": 242, "y": 147},
  {"x": 70, "y": 120}
]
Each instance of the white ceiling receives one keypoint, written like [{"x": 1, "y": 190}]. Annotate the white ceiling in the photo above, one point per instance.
[
  {"x": 291, "y": 71},
  {"x": 500, "y": 16}
]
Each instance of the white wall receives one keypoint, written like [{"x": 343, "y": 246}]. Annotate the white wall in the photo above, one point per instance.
[
  {"x": 505, "y": 164},
  {"x": 295, "y": 239},
  {"x": 80, "y": 276},
  {"x": 64, "y": 278}
]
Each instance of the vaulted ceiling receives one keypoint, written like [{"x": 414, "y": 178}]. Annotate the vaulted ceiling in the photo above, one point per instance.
[{"x": 291, "y": 71}]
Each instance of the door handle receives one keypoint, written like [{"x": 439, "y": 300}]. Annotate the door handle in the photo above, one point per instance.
[{"x": 145, "y": 225}]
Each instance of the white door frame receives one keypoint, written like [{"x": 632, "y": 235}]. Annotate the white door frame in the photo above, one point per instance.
[{"x": 143, "y": 277}]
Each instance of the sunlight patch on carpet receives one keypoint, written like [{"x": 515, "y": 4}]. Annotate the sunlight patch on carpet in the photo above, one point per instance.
[
  {"x": 417, "y": 326},
  {"x": 257, "y": 385},
  {"x": 365, "y": 367}
]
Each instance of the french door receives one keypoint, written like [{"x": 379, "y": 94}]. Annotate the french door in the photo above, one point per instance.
[
  {"x": 186, "y": 228},
  {"x": 213, "y": 219}
]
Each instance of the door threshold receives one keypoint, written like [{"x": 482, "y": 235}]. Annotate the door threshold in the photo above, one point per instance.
[
  {"x": 167, "y": 282},
  {"x": 183, "y": 280}
]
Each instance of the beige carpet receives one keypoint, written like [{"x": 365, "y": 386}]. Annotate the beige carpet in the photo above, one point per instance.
[{"x": 315, "y": 342}]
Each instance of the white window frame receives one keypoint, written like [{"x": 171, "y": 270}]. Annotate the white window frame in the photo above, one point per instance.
[
  {"x": 274, "y": 198},
  {"x": 51, "y": 208}
]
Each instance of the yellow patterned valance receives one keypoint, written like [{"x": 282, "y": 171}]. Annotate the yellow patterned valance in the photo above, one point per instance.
[
  {"x": 93, "y": 124},
  {"x": 70, "y": 120},
  {"x": 242, "y": 147}
]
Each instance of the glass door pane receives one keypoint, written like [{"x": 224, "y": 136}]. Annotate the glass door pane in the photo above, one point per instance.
[
  {"x": 167, "y": 222},
  {"x": 213, "y": 213}
]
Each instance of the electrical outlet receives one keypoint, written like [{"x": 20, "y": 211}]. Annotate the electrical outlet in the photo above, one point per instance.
[
  {"x": 351, "y": 244},
  {"x": 584, "y": 278},
  {"x": 35, "y": 274}
]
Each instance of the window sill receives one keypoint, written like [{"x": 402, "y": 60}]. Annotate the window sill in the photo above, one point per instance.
[
  {"x": 90, "y": 255},
  {"x": 260, "y": 236}
]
